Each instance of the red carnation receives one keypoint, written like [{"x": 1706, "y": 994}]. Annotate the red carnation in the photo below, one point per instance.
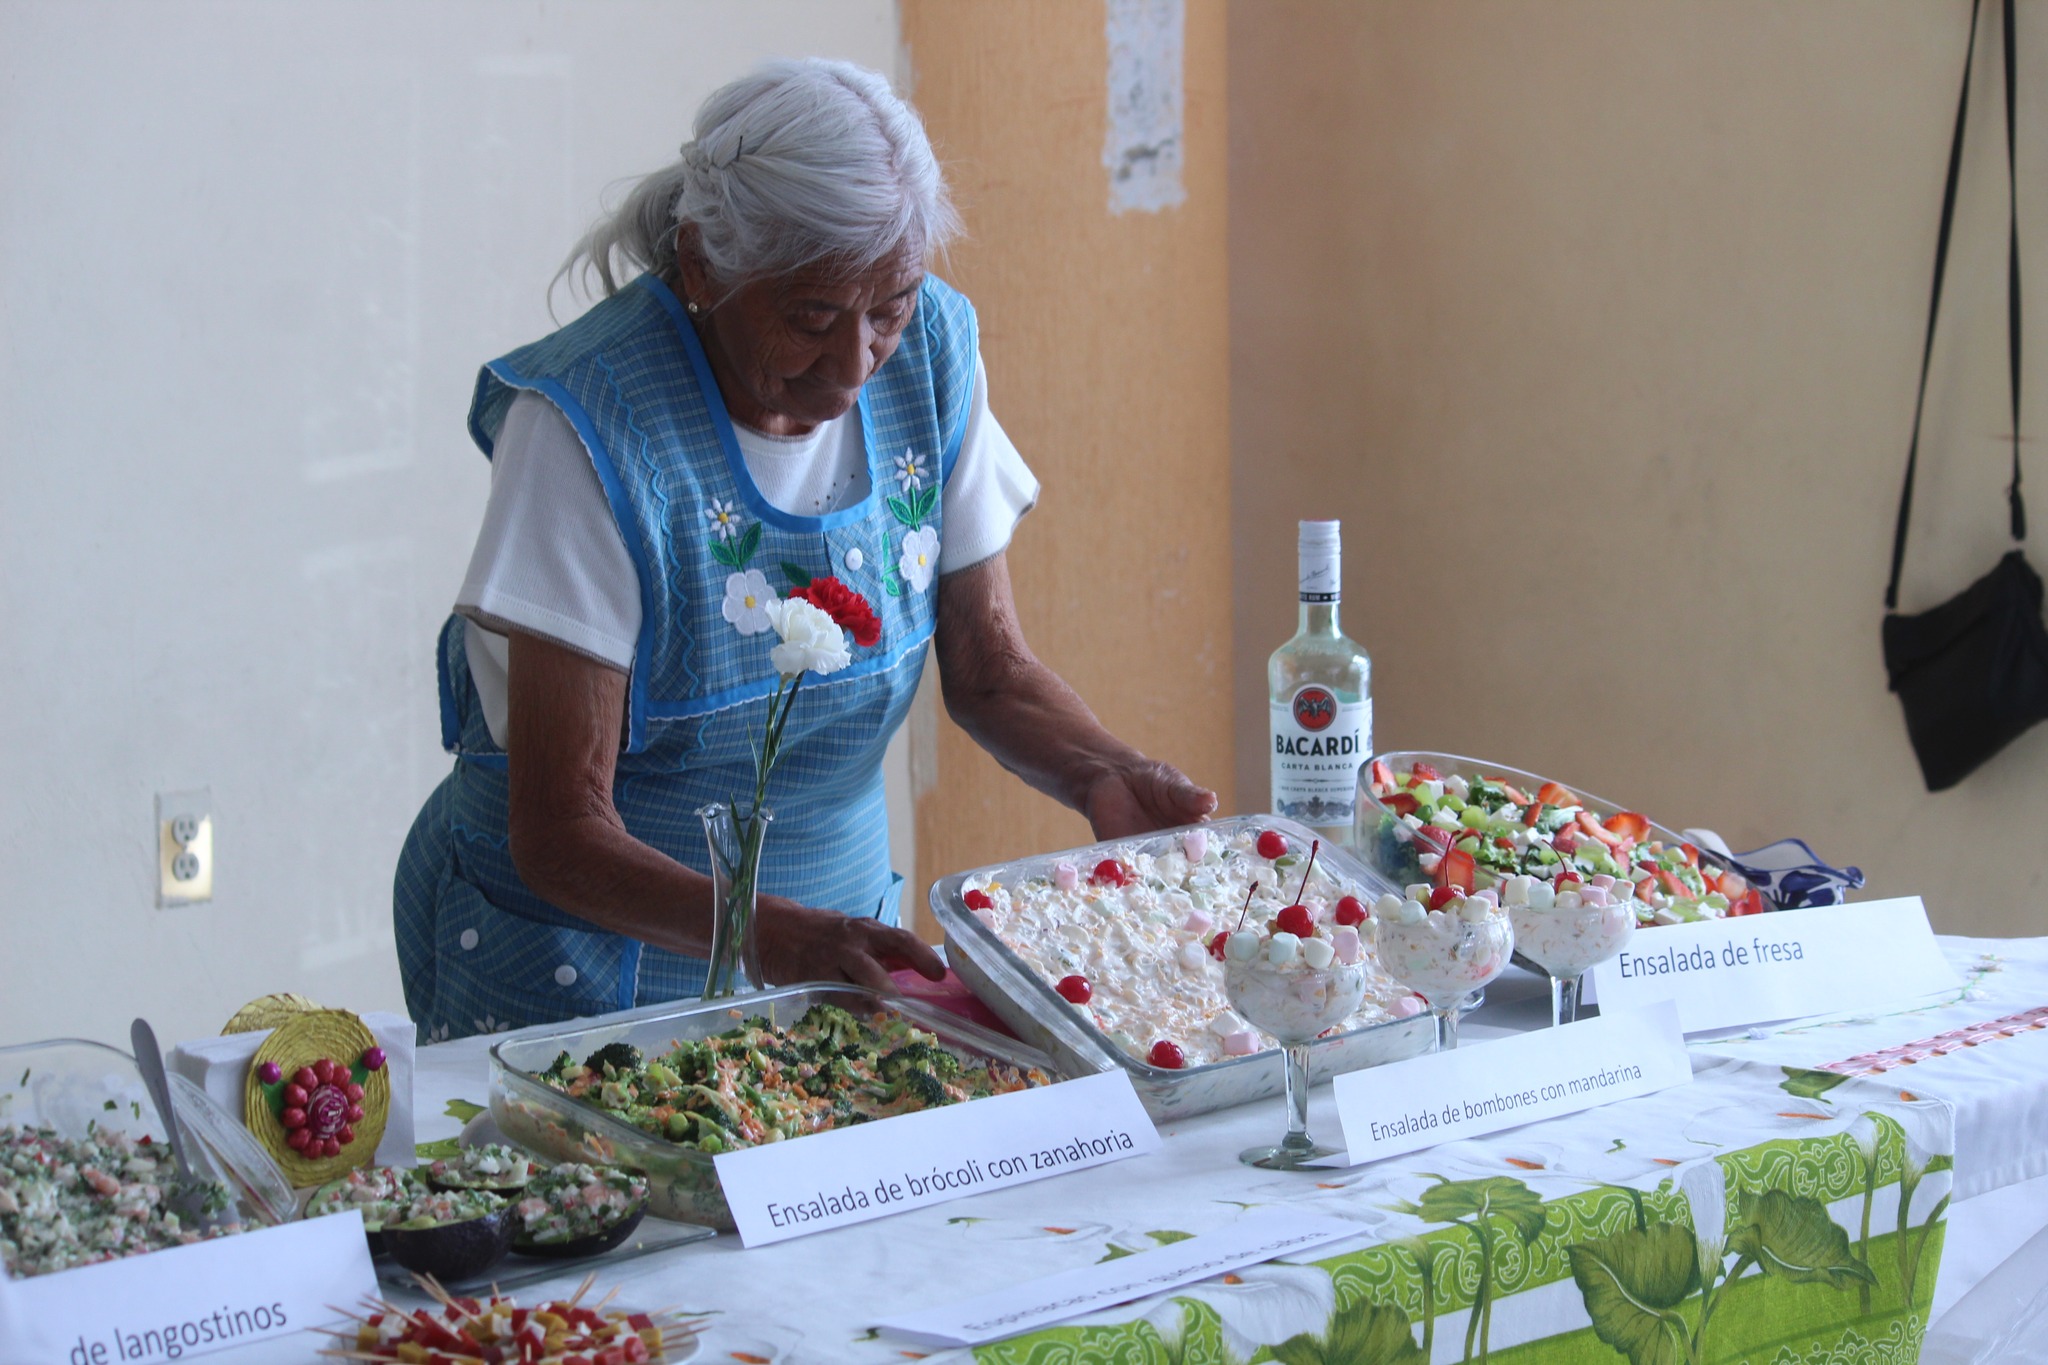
[{"x": 844, "y": 606}]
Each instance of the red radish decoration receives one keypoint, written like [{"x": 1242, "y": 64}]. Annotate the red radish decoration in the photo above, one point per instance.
[
  {"x": 1296, "y": 920},
  {"x": 270, "y": 1073},
  {"x": 373, "y": 1060},
  {"x": 1075, "y": 990},
  {"x": 1272, "y": 844},
  {"x": 1166, "y": 1053},
  {"x": 1350, "y": 911}
]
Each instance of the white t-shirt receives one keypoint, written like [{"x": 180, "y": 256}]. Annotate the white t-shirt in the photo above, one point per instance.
[{"x": 550, "y": 561}]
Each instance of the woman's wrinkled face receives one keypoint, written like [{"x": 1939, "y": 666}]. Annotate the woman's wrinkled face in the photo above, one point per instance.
[{"x": 793, "y": 351}]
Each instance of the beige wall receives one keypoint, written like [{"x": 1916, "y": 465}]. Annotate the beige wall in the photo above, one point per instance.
[
  {"x": 1597, "y": 323},
  {"x": 1108, "y": 365}
]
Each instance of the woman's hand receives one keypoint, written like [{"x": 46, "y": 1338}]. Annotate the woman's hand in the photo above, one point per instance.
[
  {"x": 799, "y": 943},
  {"x": 1145, "y": 796}
]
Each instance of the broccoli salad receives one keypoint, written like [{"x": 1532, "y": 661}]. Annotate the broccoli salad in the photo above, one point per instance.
[
  {"x": 68, "y": 1202},
  {"x": 756, "y": 1084}
]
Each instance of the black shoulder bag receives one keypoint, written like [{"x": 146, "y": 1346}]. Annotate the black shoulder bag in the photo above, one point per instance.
[{"x": 1972, "y": 674}]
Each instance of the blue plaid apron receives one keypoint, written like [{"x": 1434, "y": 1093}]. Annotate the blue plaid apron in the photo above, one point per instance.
[{"x": 478, "y": 951}]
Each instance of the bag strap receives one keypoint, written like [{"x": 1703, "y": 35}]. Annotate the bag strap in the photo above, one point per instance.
[
  {"x": 1948, "y": 212},
  {"x": 2014, "y": 503}
]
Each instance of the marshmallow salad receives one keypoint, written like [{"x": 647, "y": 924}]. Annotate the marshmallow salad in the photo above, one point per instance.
[
  {"x": 1455, "y": 821},
  {"x": 1135, "y": 940}
]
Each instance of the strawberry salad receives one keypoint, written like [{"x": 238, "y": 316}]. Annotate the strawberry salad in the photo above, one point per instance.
[
  {"x": 1472, "y": 833},
  {"x": 1135, "y": 943}
]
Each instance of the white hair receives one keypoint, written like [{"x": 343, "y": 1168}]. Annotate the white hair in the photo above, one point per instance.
[{"x": 799, "y": 162}]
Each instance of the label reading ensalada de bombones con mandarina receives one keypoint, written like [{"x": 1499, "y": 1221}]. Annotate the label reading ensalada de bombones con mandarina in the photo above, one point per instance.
[{"x": 1318, "y": 743}]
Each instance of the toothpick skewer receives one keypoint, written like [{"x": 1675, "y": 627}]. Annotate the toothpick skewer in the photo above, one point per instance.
[{"x": 1249, "y": 892}]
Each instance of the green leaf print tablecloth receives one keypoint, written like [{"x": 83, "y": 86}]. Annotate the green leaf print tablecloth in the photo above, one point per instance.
[
  {"x": 1759, "y": 1215},
  {"x": 1752, "y": 1216}
]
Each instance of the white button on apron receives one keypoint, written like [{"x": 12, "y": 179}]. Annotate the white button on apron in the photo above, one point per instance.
[
  {"x": 565, "y": 975},
  {"x": 468, "y": 939},
  {"x": 854, "y": 559}
]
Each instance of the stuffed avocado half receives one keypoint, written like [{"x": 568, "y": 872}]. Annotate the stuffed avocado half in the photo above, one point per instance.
[{"x": 578, "y": 1210}]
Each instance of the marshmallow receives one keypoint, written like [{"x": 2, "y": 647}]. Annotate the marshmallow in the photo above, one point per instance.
[
  {"x": 1241, "y": 946},
  {"x": 1411, "y": 912},
  {"x": 1569, "y": 900},
  {"x": 1418, "y": 891},
  {"x": 1195, "y": 843},
  {"x": 1596, "y": 897},
  {"x": 1198, "y": 923},
  {"x": 1603, "y": 881},
  {"x": 1065, "y": 876},
  {"x": 1227, "y": 1023},
  {"x": 1515, "y": 891},
  {"x": 1473, "y": 910},
  {"x": 1407, "y": 1007},
  {"x": 1389, "y": 904},
  {"x": 1282, "y": 948},
  {"x": 1345, "y": 944},
  {"x": 1242, "y": 1044},
  {"x": 1317, "y": 952},
  {"x": 1191, "y": 955}
]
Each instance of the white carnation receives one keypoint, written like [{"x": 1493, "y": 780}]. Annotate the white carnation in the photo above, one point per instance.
[{"x": 811, "y": 639}]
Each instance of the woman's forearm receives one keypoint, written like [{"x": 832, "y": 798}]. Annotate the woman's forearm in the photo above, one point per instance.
[
  {"x": 997, "y": 690},
  {"x": 593, "y": 868}
]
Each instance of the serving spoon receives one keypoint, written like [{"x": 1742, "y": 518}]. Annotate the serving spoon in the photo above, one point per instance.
[{"x": 188, "y": 1200}]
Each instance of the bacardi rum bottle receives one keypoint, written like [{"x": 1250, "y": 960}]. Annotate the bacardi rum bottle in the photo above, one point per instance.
[{"x": 1320, "y": 686}]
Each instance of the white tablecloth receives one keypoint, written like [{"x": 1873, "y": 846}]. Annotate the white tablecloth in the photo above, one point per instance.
[{"x": 809, "y": 1299}]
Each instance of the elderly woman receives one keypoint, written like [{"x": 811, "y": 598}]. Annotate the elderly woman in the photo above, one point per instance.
[{"x": 781, "y": 392}]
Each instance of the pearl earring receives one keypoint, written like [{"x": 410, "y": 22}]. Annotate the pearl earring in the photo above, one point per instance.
[{"x": 693, "y": 307}]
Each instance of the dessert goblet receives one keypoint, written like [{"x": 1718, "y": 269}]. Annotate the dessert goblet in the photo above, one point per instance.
[
  {"x": 1567, "y": 932},
  {"x": 1444, "y": 954},
  {"x": 1295, "y": 988}
]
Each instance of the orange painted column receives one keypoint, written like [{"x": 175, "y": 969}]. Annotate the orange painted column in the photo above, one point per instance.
[{"x": 1106, "y": 339}]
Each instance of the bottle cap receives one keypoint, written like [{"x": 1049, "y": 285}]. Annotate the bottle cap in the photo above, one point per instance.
[{"x": 1321, "y": 553}]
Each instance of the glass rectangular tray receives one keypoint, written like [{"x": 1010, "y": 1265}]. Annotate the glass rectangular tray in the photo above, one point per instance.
[
  {"x": 682, "y": 1182},
  {"x": 1036, "y": 1013}
]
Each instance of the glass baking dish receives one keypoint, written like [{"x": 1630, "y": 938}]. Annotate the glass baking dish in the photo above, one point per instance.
[
  {"x": 78, "y": 1088},
  {"x": 1389, "y": 845},
  {"x": 682, "y": 1182},
  {"x": 1036, "y": 1013}
]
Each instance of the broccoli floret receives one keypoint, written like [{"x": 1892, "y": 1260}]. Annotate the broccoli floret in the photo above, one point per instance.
[
  {"x": 562, "y": 1068},
  {"x": 923, "y": 1086},
  {"x": 619, "y": 1056},
  {"x": 918, "y": 1056},
  {"x": 834, "y": 1026}
]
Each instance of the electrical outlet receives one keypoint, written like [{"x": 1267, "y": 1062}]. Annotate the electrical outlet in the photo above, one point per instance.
[{"x": 184, "y": 847}]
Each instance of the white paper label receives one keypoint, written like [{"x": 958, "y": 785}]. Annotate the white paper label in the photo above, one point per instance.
[
  {"x": 1727, "y": 972},
  {"x": 1486, "y": 1087},
  {"x": 871, "y": 1170},
  {"x": 1318, "y": 743},
  {"x": 187, "y": 1301},
  {"x": 1261, "y": 1235}
]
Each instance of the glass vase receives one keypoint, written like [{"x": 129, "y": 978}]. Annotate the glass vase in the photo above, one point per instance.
[{"x": 734, "y": 837}]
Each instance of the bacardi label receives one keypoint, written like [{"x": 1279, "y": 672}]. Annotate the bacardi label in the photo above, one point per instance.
[{"x": 1318, "y": 743}]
